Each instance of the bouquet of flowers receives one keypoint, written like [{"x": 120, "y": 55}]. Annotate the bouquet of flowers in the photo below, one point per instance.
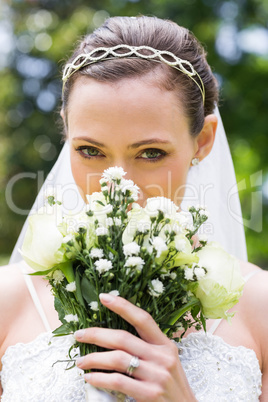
[{"x": 146, "y": 255}]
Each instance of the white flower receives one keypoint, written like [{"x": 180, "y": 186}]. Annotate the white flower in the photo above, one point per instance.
[
  {"x": 43, "y": 239},
  {"x": 156, "y": 288},
  {"x": 221, "y": 287},
  {"x": 71, "y": 287},
  {"x": 159, "y": 245},
  {"x": 68, "y": 238},
  {"x": 71, "y": 318},
  {"x": 173, "y": 275},
  {"x": 114, "y": 292},
  {"x": 163, "y": 204},
  {"x": 104, "y": 189},
  {"x": 179, "y": 326},
  {"x": 202, "y": 238},
  {"x": 180, "y": 244},
  {"x": 103, "y": 265},
  {"x": 108, "y": 208},
  {"x": 101, "y": 231},
  {"x": 204, "y": 213},
  {"x": 117, "y": 222},
  {"x": 131, "y": 249},
  {"x": 135, "y": 262},
  {"x": 143, "y": 225},
  {"x": 57, "y": 277},
  {"x": 184, "y": 219},
  {"x": 199, "y": 272},
  {"x": 109, "y": 221},
  {"x": 94, "y": 306},
  {"x": 53, "y": 191},
  {"x": 93, "y": 202},
  {"x": 113, "y": 173},
  {"x": 129, "y": 185},
  {"x": 189, "y": 274},
  {"x": 96, "y": 253}
]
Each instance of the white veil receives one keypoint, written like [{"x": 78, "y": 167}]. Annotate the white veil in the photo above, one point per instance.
[{"x": 212, "y": 183}]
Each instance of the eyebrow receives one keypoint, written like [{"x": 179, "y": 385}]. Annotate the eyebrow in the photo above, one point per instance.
[{"x": 136, "y": 145}]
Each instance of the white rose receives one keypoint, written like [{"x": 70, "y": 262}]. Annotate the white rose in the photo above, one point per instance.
[
  {"x": 160, "y": 203},
  {"x": 220, "y": 289},
  {"x": 42, "y": 240},
  {"x": 138, "y": 220}
]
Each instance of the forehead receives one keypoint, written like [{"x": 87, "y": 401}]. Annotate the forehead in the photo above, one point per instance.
[{"x": 138, "y": 99}]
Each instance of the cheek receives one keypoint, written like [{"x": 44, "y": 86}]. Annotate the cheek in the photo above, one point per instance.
[
  {"x": 87, "y": 181},
  {"x": 166, "y": 182}
]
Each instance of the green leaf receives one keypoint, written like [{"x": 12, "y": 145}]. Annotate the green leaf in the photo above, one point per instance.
[
  {"x": 62, "y": 330},
  {"x": 177, "y": 314},
  {"x": 204, "y": 323},
  {"x": 78, "y": 292},
  {"x": 67, "y": 269},
  {"x": 114, "y": 252},
  {"x": 133, "y": 299},
  {"x": 89, "y": 292},
  {"x": 43, "y": 273},
  {"x": 59, "y": 308}
]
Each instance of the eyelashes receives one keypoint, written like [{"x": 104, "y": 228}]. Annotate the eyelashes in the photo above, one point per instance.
[
  {"x": 153, "y": 154},
  {"x": 88, "y": 152}
]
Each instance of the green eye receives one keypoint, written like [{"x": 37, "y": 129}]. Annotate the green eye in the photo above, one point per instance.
[
  {"x": 152, "y": 154},
  {"x": 90, "y": 151}
]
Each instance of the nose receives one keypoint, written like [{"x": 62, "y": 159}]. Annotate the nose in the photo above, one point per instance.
[{"x": 126, "y": 166}]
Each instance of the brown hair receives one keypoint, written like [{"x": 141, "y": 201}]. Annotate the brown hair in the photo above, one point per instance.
[{"x": 158, "y": 34}]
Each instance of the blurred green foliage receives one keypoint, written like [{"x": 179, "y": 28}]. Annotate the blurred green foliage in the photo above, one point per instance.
[{"x": 37, "y": 35}]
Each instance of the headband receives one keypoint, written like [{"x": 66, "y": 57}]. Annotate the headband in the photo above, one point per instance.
[{"x": 108, "y": 53}]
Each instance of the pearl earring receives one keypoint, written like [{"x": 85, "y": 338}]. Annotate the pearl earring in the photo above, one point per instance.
[{"x": 195, "y": 161}]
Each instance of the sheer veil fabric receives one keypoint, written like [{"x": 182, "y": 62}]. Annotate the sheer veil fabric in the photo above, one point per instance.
[{"x": 212, "y": 183}]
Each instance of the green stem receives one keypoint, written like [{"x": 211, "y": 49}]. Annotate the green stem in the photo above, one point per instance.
[{"x": 175, "y": 316}]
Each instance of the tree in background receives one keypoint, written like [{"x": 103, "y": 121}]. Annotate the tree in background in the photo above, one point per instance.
[{"x": 36, "y": 35}]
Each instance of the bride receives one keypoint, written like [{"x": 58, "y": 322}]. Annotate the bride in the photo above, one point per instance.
[{"x": 146, "y": 103}]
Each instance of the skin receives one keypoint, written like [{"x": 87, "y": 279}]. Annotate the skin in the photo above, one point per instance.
[
  {"x": 128, "y": 125},
  {"x": 120, "y": 115}
]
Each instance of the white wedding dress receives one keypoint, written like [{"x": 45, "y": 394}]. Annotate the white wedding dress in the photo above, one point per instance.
[{"x": 215, "y": 370}]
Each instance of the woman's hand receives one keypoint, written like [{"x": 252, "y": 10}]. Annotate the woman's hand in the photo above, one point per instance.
[{"x": 159, "y": 377}]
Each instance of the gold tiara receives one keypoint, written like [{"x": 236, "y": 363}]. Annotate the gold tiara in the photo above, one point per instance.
[{"x": 108, "y": 53}]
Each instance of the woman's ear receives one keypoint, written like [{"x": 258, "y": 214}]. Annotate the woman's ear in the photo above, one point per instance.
[{"x": 206, "y": 137}]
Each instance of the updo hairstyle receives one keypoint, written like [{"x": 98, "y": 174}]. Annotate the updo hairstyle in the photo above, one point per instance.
[{"x": 159, "y": 34}]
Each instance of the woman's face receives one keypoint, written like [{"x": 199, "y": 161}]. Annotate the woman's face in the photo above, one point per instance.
[{"x": 134, "y": 124}]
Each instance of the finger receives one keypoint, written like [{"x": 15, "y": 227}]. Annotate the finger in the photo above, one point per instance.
[
  {"x": 116, "y": 339},
  {"x": 116, "y": 361},
  {"x": 140, "y": 391},
  {"x": 137, "y": 317}
]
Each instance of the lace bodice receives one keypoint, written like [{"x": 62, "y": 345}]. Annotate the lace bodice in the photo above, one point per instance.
[{"x": 215, "y": 371}]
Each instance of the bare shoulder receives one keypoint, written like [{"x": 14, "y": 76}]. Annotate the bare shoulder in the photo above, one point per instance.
[
  {"x": 255, "y": 293},
  {"x": 255, "y": 312},
  {"x": 12, "y": 291}
]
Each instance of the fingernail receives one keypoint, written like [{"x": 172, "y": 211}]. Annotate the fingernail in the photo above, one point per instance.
[
  {"x": 79, "y": 361},
  {"x": 106, "y": 297},
  {"x": 87, "y": 376},
  {"x": 79, "y": 334}
]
